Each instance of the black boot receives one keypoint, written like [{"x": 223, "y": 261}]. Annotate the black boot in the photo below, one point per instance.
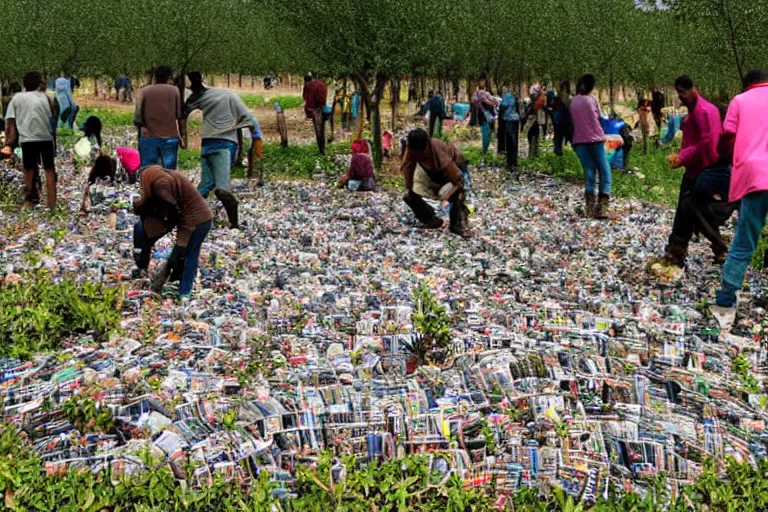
[
  {"x": 422, "y": 211},
  {"x": 230, "y": 206}
]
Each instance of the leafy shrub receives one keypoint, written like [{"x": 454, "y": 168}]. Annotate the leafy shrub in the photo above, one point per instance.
[
  {"x": 253, "y": 100},
  {"x": 35, "y": 314},
  {"x": 110, "y": 117}
]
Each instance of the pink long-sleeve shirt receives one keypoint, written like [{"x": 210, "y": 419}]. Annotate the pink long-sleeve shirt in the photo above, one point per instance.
[{"x": 701, "y": 134}]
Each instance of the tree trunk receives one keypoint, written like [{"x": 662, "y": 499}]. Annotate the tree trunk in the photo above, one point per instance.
[
  {"x": 395, "y": 88},
  {"x": 469, "y": 90},
  {"x": 96, "y": 87},
  {"x": 610, "y": 86},
  {"x": 376, "y": 133},
  {"x": 240, "y": 80},
  {"x": 253, "y": 81},
  {"x": 228, "y": 83}
]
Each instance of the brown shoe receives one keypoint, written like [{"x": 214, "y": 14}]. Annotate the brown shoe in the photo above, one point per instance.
[
  {"x": 603, "y": 210},
  {"x": 589, "y": 204}
]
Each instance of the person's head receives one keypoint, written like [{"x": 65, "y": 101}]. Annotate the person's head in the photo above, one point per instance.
[
  {"x": 431, "y": 94},
  {"x": 418, "y": 141},
  {"x": 195, "y": 81},
  {"x": 32, "y": 81},
  {"x": 754, "y": 77},
  {"x": 565, "y": 86},
  {"x": 163, "y": 74},
  {"x": 586, "y": 84},
  {"x": 103, "y": 168},
  {"x": 686, "y": 90},
  {"x": 307, "y": 78},
  {"x": 92, "y": 127}
]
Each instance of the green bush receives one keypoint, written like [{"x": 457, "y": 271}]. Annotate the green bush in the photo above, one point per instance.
[
  {"x": 287, "y": 102},
  {"x": 253, "y": 100},
  {"x": 35, "y": 314}
]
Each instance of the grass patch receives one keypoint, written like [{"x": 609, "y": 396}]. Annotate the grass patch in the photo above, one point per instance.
[
  {"x": 285, "y": 102},
  {"x": 655, "y": 181},
  {"x": 253, "y": 100},
  {"x": 110, "y": 118},
  {"x": 38, "y": 313},
  {"x": 188, "y": 158}
]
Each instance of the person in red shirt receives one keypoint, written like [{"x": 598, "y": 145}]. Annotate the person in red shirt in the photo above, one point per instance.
[
  {"x": 315, "y": 95},
  {"x": 701, "y": 133}
]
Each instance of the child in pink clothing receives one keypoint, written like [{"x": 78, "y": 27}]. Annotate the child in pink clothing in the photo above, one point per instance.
[{"x": 386, "y": 143}]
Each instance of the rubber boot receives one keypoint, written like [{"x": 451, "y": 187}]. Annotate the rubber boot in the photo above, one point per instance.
[
  {"x": 230, "y": 206},
  {"x": 423, "y": 212},
  {"x": 602, "y": 211},
  {"x": 589, "y": 204},
  {"x": 50, "y": 189}
]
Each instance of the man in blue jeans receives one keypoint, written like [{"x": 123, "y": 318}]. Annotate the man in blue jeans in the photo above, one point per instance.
[
  {"x": 745, "y": 137},
  {"x": 159, "y": 120},
  {"x": 224, "y": 113}
]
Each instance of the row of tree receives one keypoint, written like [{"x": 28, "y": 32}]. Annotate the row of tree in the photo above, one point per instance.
[{"x": 375, "y": 43}]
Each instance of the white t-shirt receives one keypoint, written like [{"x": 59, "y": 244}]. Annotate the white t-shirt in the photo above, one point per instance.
[{"x": 32, "y": 112}]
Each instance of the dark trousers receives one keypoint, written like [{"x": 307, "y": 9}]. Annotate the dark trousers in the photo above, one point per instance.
[
  {"x": 318, "y": 123},
  {"x": 425, "y": 213},
  {"x": 143, "y": 245},
  {"x": 698, "y": 211},
  {"x": 511, "y": 137},
  {"x": 562, "y": 136}
]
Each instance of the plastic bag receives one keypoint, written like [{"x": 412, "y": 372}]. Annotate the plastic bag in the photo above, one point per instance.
[{"x": 83, "y": 148}]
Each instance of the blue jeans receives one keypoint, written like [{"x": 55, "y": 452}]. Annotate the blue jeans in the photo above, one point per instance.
[
  {"x": 754, "y": 208},
  {"x": 216, "y": 167},
  {"x": 593, "y": 159},
  {"x": 157, "y": 151},
  {"x": 485, "y": 131},
  {"x": 143, "y": 245}
]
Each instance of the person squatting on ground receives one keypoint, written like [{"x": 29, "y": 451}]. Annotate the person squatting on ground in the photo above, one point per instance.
[
  {"x": 224, "y": 114},
  {"x": 589, "y": 145},
  {"x": 30, "y": 121},
  {"x": 170, "y": 201},
  {"x": 315, "y": 95},
  {"x": 158, "y": 116},
  {"x": 745, "y": 139},
  {"x": 428, "y": 166},
  {"x": 103, "y": 168},
  {"x": 360, "y": 177},
  {"x": 698, "y": 152}
]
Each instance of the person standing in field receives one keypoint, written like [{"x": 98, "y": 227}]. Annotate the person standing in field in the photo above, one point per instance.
[
  {"x": 745, "y": 142},
  {"x": 224, "y": 114},
  {"x": 30, "y": 121},
  {"x": 315, "y": 95},
  {"x": 484, "y": 104},
  {"x": 701, "y": 133},
  {"x": 589, "y": 145},
  {"x": 561, "y": 117},
  {"x": 158, "y": 116},
  {"x": 67, "y": 106},
  {"x": 282, "y": 125},
  {"x": 509, "y": 129}
]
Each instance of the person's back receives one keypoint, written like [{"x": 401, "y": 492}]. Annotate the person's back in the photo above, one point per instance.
[
  {"x": 585, "y": 116},
  {"x": 160, "y": 109},
  {"x": 747, "y": 120},
  {"x": 32, "y": 112},
  {"x": 222, "y": 111}
]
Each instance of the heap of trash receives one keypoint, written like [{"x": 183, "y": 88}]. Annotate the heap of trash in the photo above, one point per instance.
[{"x": 538, "y": 352}]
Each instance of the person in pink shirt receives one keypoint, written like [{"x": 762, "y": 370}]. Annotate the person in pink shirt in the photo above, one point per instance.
[
  {"x": 589, "y": 145},
  {"x": 701, "y": 133},
  {"x": 745, "y": 137}
]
